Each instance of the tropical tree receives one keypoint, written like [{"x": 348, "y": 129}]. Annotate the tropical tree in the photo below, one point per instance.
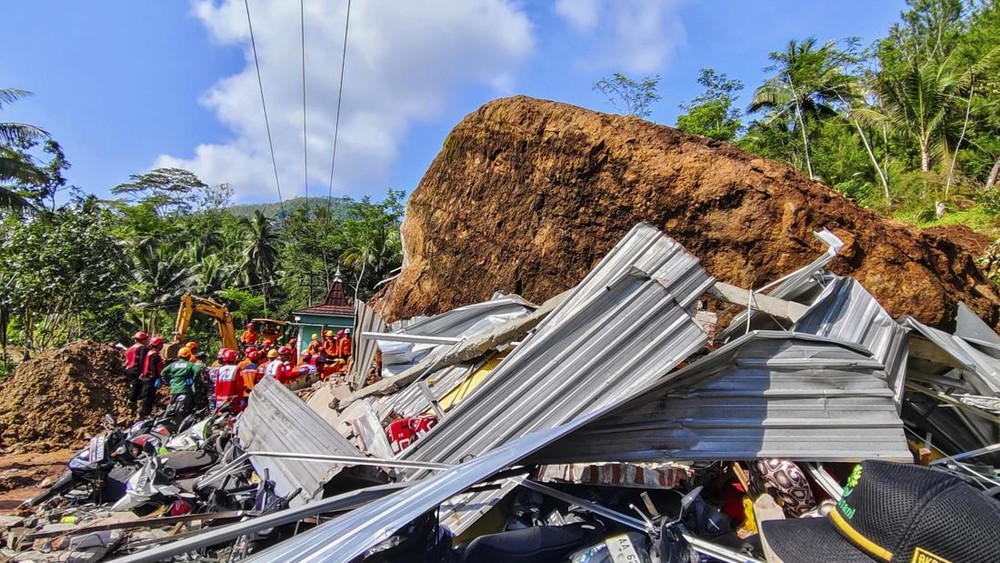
[
  {"x": 260, "y": 253},
  {"x": 628, "y": 95},
  {"x": 372, "y": 238},
  {"x": 810, "y": 81},
  {"x": 713, "y": 113},
  {"x": 15, "y": 165}
]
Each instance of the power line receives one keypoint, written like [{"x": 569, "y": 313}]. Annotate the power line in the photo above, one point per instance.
[
  {"x": 267, "y": 124},
  {"x": 305, "y": 145},
  {"x": 340, "y": 97}
]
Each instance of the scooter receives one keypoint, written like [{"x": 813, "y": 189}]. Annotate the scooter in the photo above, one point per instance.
[{"x": 95, "y": 468}]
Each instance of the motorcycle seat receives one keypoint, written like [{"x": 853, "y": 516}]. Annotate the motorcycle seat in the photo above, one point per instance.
[{"x": 535, "y": 544}]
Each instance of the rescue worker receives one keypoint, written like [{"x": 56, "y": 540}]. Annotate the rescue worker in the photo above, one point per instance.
[
  {"x": 344, "y": 345},
  {"x": 265, "y": 362},
  {"x": 293, "y": 345},
  {"x": 135, "y": 356},
  {"x": 229, "y": 387},
  {"x": 201, "y": 388},
  {"x": 180, "y": 376},
  {"x": 315, "y": 346},
  {"x": 246, "y": 358},
  {"x": 149, "y": 378},
  {"x": 306, "y": 368},
  {"x": 249, "y": 373},
  {"x": 250, "y": 337},
  {"x": 285, "y": 372},
  {"x": 274, "y": 364},
  {"x": 330, "y": 348}
]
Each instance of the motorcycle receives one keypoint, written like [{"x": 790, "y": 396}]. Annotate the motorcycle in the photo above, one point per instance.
[{"x": 100, "y": 468}]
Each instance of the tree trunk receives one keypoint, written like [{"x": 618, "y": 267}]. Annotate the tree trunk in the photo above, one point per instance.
[
  {"x": 925, "y": 156},
  {"x": 994, "y": 172},
  {"x": 954, "y": 157}
]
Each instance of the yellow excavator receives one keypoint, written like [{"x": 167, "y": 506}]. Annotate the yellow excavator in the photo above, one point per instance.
[{"x": 191, "y": 304}]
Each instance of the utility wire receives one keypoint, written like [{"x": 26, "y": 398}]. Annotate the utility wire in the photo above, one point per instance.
[
  {"x": 305, "y": 145},
  {"x": 340, "y": 97},
  {"x": 263, "y": 104}
]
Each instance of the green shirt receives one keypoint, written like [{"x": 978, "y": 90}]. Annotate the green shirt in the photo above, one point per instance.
[{"x": 178, "y": 374}]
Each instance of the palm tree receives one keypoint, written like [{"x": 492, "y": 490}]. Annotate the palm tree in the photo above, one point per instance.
[
  {"x": 810, "y": 81},
  {"x": 14, "y": 166},
  {"x": 161, "y": 273},
  {"x": 260, "y": 253},
  {"x": 372, "y": 242},
  {"x": 213, "y": 274}
]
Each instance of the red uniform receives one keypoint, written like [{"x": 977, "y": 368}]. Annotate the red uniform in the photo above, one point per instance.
[
  {"x": 229, "y": 388},
  {"x": 344, "y": 347}
]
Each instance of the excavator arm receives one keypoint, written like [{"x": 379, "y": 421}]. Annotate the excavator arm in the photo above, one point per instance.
[{"x": 191, "y": 304}]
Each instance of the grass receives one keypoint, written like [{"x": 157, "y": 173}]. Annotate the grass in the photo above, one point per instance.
[{"x": 976, "y": 218}]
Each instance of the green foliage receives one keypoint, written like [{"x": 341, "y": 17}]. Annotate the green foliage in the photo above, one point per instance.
[
  {"x": 713, "y": 113},
  {"x": 244, "y": 305},
  {"x": 628, "y": 95},
  {"x": 989, "y": 200}
]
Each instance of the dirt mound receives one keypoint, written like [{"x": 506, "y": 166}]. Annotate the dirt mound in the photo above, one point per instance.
[
  {"x": 59, "y": 398},
  {"x": 527, "y": 195}
]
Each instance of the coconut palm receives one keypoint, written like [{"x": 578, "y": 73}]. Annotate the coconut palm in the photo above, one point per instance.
[
  {"x": 809, "y": 83},
  {"x": 14, "y": 165},
  {"x": 260, "y": 252}
]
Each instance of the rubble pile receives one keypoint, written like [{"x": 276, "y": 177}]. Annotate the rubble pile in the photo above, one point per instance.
[
  {"x": 527, "y": 195},
  {"x": 57, "y": 399},
  {"x": 620, "y": 419}
]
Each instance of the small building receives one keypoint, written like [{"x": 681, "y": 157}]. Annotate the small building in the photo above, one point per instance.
[{"x": 332, "y": 314}]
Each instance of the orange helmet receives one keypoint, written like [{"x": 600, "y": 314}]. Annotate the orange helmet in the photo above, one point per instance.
[
  {"x": 192, "y": 345},
  {"x": 185, "y": 353}
]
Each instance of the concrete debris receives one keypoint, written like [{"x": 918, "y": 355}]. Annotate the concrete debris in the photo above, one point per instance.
[{"x": 616, "y": 418}]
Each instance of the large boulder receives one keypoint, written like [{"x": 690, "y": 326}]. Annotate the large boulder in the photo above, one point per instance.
[{"x": 527, "y": 195}]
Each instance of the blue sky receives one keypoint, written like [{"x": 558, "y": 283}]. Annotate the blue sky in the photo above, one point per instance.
[{"x": 125, "y": 85}]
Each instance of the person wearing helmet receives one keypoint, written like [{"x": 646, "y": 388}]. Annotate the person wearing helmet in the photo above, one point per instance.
[
  {"x": 293, "y": 346},
  {"x": 180, "y": 376},
  {"x": 249, "y": 374},
  {"x": 246, "y": 358},
  {"x": 135, "y": 355},
  {"x": 285, "y": 372},
  {"x": 229, "y": 387},
  {"x": 274, "y": 364},
  {"x": 315, "y": 346},
  {"x": 149, "y": 379},
  {"x": 250, "y": 337},
  {"x": 344, "y": 345},
  {"x": 330, "y": 347}
]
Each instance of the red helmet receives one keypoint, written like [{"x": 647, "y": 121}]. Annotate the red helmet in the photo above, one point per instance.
[
  {"x": 252, "y": 355},
  {"x": 292, "y": 341},
  {"x": 251, "y": 349},
  {"x": 156, "y": 341},
  {"x": 340, "y": 333},
  {"x": 249, "y": 326},
  {"x": 284, "y": 351},
  {"x": 140, "y": 336},
  {"x": 306, "y": 357},
  {"x": 229, "y": 356}
]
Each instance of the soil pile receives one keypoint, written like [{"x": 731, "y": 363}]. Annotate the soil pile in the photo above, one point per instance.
[
  {"x": 58, "y": 399},
  {"x": 527, "y": 195}
]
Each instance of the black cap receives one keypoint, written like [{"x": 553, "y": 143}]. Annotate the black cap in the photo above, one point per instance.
[{"x": 895, "y": 512}]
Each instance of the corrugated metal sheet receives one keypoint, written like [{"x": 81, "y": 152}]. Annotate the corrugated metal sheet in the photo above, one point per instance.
[
  {"x": 351, "y": 535},
  {"x": 974, "y": 330},
  {"x": 276, "y": 420},
  {"x": 765, "y": 395},
  {"x": 847, "y": 312},
  {"x": 802, "y": 286},
  {"x": 980, "y": 369},
  {"x": 625, "y": 325},
  {"x": 411, "y": 402},
  {"x": 365, "y": 320}
]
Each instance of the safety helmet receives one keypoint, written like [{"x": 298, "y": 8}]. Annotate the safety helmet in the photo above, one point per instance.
[
  {"x": 293, "y": 341},
  {"x": 192, "y": 345},
  {"x": 249, "y": 326},
  {"x": 284, "y": 351},
  {"x": 314, "y": 337},
  {"x": 185, "y": 353},
  {"x": 140, "y": 336},
  {"x": 252, "y": 355},
  {"x": 347, "y": 331},
  {"x": 229, "y": 356},
  {"x": 340, "y": 333},
  {"x": 329, "y": 333},
  {"x": 218, "y": 355},
  {"x": 272, "y": 354},
  {"x": 306, "y": 357},
  {"x": 251, "y": 349},
  {"x": 156, "y": 342}
]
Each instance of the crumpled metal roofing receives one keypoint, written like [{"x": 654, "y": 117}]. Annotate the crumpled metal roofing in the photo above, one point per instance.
[
  {"x": 768, "y": 394},
  {"x": 845, "y": 311},
  {"x": 276, "y": 420},
  {"x": 974, "y": 330},
  {"x": 412, "y": 402},
  {"x": 624, "y": 325},
  {"x": 980, "y": 369},
  {"x": 365, "y": 320},
  {"x": 351, "y": 535}
]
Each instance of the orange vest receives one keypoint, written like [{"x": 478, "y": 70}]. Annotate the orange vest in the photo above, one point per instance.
[{"x": 344, "y": 346}]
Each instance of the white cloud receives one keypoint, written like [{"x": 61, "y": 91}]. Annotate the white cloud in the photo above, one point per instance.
[
  {"x": 636, "y": 36},
  {"x": 405, "y": 61}
]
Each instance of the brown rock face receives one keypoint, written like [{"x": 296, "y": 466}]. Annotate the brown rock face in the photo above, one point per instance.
[{"x": 527, "y": 195}]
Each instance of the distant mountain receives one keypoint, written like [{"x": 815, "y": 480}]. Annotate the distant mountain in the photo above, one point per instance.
[{"x": 339, "y": 205}]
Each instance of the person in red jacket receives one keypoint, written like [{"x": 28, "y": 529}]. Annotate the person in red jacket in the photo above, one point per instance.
[
  {"x": 135, "y": 356},
  {"x": 283, "y": 371},
  {"x": 229, "y": 386},
  {"x": 149, "y": 379},
  {"x": 344, "y": 345}
]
